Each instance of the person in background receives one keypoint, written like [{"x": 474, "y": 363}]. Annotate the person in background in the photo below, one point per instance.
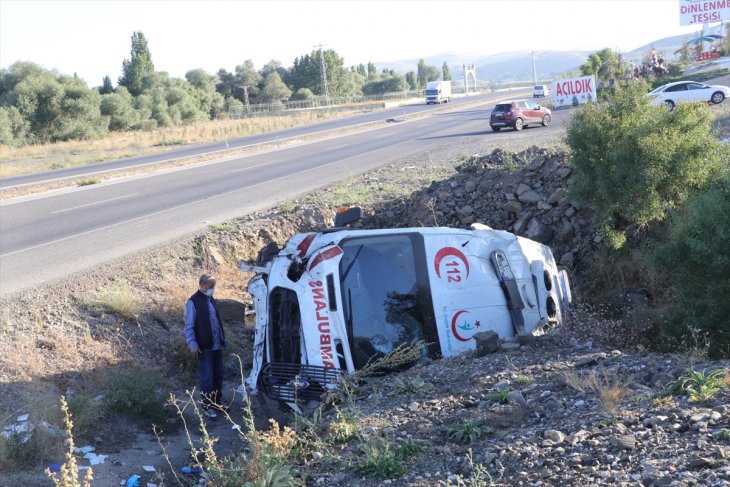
[{"x": 206, "y": 339}]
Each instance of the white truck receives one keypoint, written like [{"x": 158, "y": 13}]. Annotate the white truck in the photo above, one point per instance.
[
  {"x": 438, "y": 92},
  {"x": 331, "y": 301}
]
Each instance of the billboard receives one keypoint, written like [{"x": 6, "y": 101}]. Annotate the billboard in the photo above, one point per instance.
[
  {"x": 703, "y": 11},
  {"x": 574, "y": 91}
]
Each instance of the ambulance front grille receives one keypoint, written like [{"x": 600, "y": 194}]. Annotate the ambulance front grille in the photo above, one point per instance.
[{"x": 292, "y": 382}]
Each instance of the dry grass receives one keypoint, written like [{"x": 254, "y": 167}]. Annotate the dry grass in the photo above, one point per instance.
[
  {"x": 610, "y": 387},
  {"x": 118, "y": 299},
  {"x": 44, "y": 157}
]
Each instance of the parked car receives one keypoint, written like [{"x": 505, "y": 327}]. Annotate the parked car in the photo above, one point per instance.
[
  {"x": 518, "y": 114},
  {"x": 330, "y": 302},
  {"x": 540, "y": 91},
  {"x": 688, "y": 91}
]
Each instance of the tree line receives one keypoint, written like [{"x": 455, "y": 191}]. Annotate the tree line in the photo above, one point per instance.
[{"x": 38, "y": 105}]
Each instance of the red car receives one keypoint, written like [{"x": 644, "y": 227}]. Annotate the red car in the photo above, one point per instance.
[{"x": 518, "y": 114}]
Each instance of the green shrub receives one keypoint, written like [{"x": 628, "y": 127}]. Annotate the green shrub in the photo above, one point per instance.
[
  {"x": 469, "y": 431},
  {"x": 139, "y": 393},
  {"x": 87, "y": 413},
  {"x": 380, "y": 460},
  {"x": 178, "y": 353},
  {"x": 700, "y": 386},
  {"x": 696, "y": 255},
  {"x": 411, "y": 385},
  {"x": 500, "y": 396},
  {"x": 634, "y": 162}
]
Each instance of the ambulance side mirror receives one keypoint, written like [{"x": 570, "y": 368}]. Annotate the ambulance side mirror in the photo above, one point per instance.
[{"x": 345, "y": 216}]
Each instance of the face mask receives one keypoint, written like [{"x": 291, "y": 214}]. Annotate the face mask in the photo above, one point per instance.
[{"x": 209, "y": 292}]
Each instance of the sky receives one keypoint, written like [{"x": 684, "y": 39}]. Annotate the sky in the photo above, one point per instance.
[{"x": 91, "y": 38}]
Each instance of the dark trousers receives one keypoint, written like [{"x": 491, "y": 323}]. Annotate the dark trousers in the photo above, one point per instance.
[{"x": 210, "y": 366}]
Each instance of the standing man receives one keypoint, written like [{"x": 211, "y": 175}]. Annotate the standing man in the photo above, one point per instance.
[{"x": 206, "y": 339}]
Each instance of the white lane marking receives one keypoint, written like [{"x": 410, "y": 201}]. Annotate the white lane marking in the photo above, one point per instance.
[
  {"x": 336, "y": 147},
  {"x": 95, "y": 203},
  {"x": 148, "y": 215}
]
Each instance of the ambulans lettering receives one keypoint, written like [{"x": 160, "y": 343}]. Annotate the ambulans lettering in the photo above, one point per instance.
[
  {"x": 453, "y": 263},
  {"x": 323, "y": 323}
]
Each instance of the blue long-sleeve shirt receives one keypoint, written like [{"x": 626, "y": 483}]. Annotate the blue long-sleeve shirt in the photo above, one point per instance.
[{"x": 190, "y": 326}]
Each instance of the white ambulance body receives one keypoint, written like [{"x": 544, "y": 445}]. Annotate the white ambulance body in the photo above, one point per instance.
[{"x": 330, "y": 302}]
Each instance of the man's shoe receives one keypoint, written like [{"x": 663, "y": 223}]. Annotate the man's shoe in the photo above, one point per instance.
[{"x": 210, "y": 413}]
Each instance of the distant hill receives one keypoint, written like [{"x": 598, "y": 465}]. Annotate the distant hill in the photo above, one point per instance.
[
  {"x": 517, "y": 65},
  {"x": 501, "y": 67}
]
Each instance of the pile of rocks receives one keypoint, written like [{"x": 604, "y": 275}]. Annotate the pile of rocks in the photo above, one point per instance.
[{"x": 525, "y": 193}]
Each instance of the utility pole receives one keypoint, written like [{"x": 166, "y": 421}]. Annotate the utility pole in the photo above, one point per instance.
[
  {"x": 245, "y": 97},
  {"x": 534, "y": 71},
  {"x": 323, "y": 70}
]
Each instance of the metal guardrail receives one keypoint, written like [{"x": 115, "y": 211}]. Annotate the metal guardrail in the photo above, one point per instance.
[{"x": 237, "y": 109}]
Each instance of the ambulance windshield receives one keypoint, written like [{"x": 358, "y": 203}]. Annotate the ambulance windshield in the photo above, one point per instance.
[{"x": 387, "y": 300}]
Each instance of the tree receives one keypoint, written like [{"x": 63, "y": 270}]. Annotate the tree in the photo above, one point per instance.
[
  {"x": 273, "y": 66},
  {"x": 372, "y": 71},
  {"x": 119, "y": 107},
  {"x": 226, "y": 83},
  {"x": 303, "y": 94},
  {"x": 412, "y": 80},
  {"x": 696, "y": 256},
  {"x": 427, "y": 73},
  {"x": 274, "y": 90},
  {"x": 388, "y": 83},
  {"x": 604, "y": 64},
  {"x": 138, "y": 67},
  {"x": 446, "y": 72},
  {"x": 106, "y": 86},
  {"x": 361, "y": 70},
  {"x": 208, "y": 99},
  {"x": 306, "y": 73},
  {"x": 635, "y": 162},
  {"x": 246, "y": 75}
]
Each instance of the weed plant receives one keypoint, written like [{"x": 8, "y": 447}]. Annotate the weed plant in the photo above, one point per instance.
[
  {"x": 411, "y": 385},
  {"x": 381, "y": 459},
  {"x": 500, "y": 396},
  {"x": 469, "y": 431},
  {"x": 117, "y": 299},
  {"x": 68, "y": 476},
  {"x": 609, "y": 387},
  {"x": 479, "y": 476},
  {"x": 699, "y": 386}
]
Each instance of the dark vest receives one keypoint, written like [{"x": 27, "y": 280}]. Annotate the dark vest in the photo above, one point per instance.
[{"x": 203, "y": 329}]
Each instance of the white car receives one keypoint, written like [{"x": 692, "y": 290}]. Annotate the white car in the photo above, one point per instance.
[
  {"x": 540, "y": 91},
  {"x": 688, "y": 91},
  {"x": 329, "y": 302}
]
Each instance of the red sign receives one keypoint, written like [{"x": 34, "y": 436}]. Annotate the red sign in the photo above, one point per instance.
[{"x": 703, "y": 11}]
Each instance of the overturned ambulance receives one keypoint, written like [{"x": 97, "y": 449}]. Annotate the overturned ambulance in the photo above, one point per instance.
[{"x": 330, "y": 302}]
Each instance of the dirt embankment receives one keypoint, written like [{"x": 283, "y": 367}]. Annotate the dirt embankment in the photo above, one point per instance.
[{"x": 537, "y": 414}]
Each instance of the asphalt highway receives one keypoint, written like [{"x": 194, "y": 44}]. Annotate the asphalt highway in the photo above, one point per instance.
[
  {"x": 49, "y": 236},
  {"x": 242, "y": 142}
]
